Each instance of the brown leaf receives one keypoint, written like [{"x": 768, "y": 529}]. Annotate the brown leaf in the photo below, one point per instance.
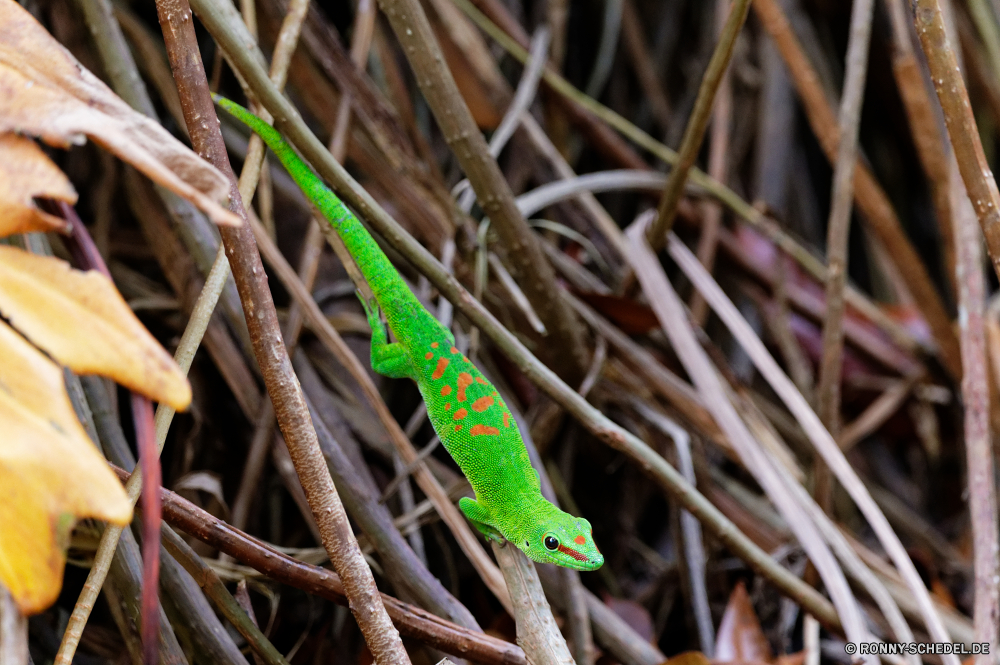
[
  {"x": 26, "y": 172},
  {"x": 797, "y": 658},
  {"x": 80, "y": 319},
  {"x": 46, "y": 92},
  {"x": 632, "y": 317},
  {"x": 740, "y": 637},
  {"x": 50, "y": 475},
  {"x": 633, "y": 614},
  {"x": 688, "y": 658}
]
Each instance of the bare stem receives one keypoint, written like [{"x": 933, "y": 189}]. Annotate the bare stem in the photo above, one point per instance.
[
  {"x": 276, "y": 367},
  {"x": 869, "y": 196},
  {"x": 838, "y": 230},
  {"x": 532, "y": 271},
  {"x": 695, "y": 130},
  {"x": 954, "y": 98}
]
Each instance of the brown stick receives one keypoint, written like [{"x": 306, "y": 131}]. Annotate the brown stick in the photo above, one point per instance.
[
  {"x": 954, "y": 98},
  {"x": 412, "y": 621},
  {"x": 532, "y": 271},
  {"x": 718, "y": 164},
  {"x": 269, "y": 349},
  {"x": 984, "y": 198},
  {"x": 838, "y": 229},
  {"x": 927, "y": 137},
  {"x": 264, "y": 424},
  {"x": 695, "y": 130},
  {"x": 869, "y": 196}
]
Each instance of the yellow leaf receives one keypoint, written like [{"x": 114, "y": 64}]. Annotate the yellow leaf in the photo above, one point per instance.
[
  {"x": 50, "y": 475},
  {"x": 80, "y": 320},
  {"x": 46, "y": 92},
  {"x": 26, "y": 172}
]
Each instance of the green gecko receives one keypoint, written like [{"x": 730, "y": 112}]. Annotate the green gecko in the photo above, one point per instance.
[{"x": 467, "y": 412}]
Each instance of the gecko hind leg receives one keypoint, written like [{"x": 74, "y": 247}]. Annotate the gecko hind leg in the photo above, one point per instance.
[
  {"x": 481, "y": 517},
  {"x": 389, "y": 360}
]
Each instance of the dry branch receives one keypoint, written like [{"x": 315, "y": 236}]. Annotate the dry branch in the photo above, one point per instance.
[{"x": 269, "y": 348}]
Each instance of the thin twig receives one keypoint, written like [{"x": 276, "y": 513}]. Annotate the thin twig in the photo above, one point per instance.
[
  {"x": 838, "y": 229},
  {"x": 718, "y": 163},
  {"x": 412, "y": 621},
  {"x": 700, "y": 115},
  {"x": 976, "y": 402},
  {"x": 607, "y": 47},
  {"x": 533, "y": 273},
  {"x": 818, "y": 435},
  {"x": 924, "y": 126},
  {"x": 86, "y": 252},
  {"x": 670, "y": 312},
  {"x": 727, "y": 196},
  {"x": 209, "y": 581},
  {"x": 694, "y": 549},
  {"x": 869, "y": 196},
  {"x": 954, "y": 98},
  {"x": 309, "y": 263}
]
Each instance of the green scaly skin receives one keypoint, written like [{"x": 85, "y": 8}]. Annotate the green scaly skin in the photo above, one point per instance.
[{"x": 465, "y": 409}]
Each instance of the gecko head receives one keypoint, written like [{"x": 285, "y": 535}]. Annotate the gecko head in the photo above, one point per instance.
[{"x": 562, "y": 539}]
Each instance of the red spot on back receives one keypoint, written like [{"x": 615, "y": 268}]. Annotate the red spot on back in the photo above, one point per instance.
[
  {"x": 458, "y": 428},
  {"x": 428, "y": 355},
  {"x": 481, "y": 380},
  {"x": 572, "y": 553},
  {"x": 439, "y": 370},
  {"x": 446, "y": 391},
  {"x": 464, "y": 381},
  {"x": 447, "y": 407},
  {"x": 478, "y": 430},
  {"x": 580, "y": 540},
  {"x": 506, "y": 420},
  {"x": 454, "y": 350},
  {"x": 434, "y": 345},
  {"x": 482, "y": 404},
  {"x": 461, "y": 413}
]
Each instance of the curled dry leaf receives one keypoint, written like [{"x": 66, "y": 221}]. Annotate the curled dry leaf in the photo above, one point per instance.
[
  {"x": 80, "y": 320},
  {"x": 50, "y": 475},
  {"x": 740, "y": 638},
  {"x": 26, "y": 172},
  {"x": 45, "y": 92}
]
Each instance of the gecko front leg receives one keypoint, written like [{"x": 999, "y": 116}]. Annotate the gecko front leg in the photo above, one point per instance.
[
  {"x": 481, "y": 517},
  {"x": 389, "y": 360}
]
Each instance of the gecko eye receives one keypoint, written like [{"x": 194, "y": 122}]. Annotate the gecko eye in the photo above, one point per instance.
[{"x": 551, "y": 543}]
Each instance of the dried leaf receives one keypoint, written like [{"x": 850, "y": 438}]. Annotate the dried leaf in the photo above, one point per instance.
[
  {"x": 633, "y": 614},
  {"x": 50, "y": 475},
  {"x": 26, "y": 172},
  {"x": 632, "y": 317},
  {"x": 740, "y": 637},
  {"x": 797, "y": 658},
  {"x": 80, "y": 320},
  {"x": 688, "y": 658},
  {"x": 46, "y": 92}
]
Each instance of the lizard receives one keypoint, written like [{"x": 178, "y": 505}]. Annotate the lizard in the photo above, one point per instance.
[{"x": 467, "y": 412}]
